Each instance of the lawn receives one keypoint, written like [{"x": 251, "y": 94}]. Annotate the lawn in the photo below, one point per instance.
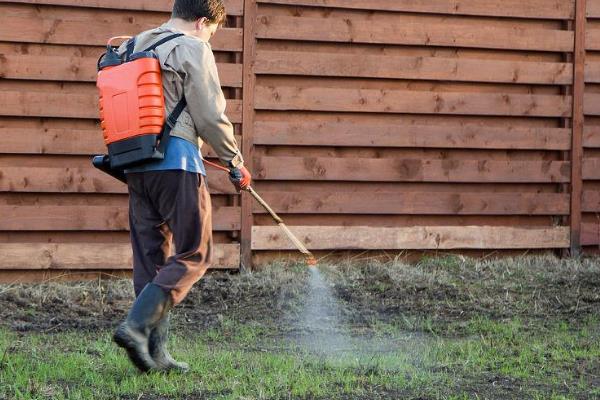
[{"x": 443, "y": 328}]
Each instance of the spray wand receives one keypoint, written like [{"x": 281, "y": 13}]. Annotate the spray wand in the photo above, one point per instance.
[{"x": 310, "y": 259}]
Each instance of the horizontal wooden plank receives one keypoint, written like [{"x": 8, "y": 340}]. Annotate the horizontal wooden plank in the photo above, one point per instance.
[
  {"x": 592, "y": 39},
  {"x": 232, "y": 7},
  {"x": 81, "y": 69},
  {"x": 61, "y": 141},
  {"x": 591, "y": 168},
  {"x": 590, "y": 234},
  {"x": 593, "y": 8},
  {"x": 79, "y": 180},
  {"x": 591, "y": 136},
  {"x": 408, "y": 101},
  {"x": 409, "y": 170},
  {"x": 425, "y": 203},
  {"x": 411, "y": 238},
  {"x": 548, "y": 9},
  {"x": 590, "y": 201},
  {"x": 591, "y": 103},
  {"x": 91, "y": 218},
  {"x": 97, "y": 256},
  {"x": 592, "y": 72},
  {"x": 80, "y": 105},
  {"x": 51, "y": 29},
  {"x": 318, "y": 133},
  {"x": 363, "y": 30},
  {"x": 426, "y": 68}
]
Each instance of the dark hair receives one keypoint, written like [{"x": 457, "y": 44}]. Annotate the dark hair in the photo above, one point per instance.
[{"x": 192, "y": 10}]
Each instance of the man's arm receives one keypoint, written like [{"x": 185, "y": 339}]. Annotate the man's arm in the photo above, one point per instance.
[{"x": 206, "y": 102}]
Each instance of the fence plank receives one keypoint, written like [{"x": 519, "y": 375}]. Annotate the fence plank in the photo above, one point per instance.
[
  {"x": 591, "y": 103},
  {"x": 426, "y": 68},
  {"x": 593, "y": 9},
  {"x": 81, "y": 69},
  {"x": 577, "y": 123},
  {"x": 78, "y": 180},
  {"x": 411, "y": 238},
  {"x": 550, "y": 9},
  {"x": 310, "y": 133},
  {"x": 91, "y": 218},
  {"x": 590, "y": 201},
  {"x": 409, "y": 170},
  {"x": 592, "y": 39},
  {"x": 80, "y": 105},
  {"x": 248, "y": 93},
  {"x": 97, "y": 256},
  {"x": 591, "y": 168},
  {"x": 408, "y": 101},
  {"x": 61, "y": 141},
  {"x": 590, "y": 234},
  {"x": 591, "y": 136},
  {"x": 426, "y": 203},
  {"x": 592, "y": 72},
  {"x": 361, "y": 30},
  {"x": 233, "y": 7},
  {"x": 57, "y": 31}
]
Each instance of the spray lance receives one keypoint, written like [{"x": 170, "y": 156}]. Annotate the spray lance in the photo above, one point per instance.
[
  {"x": 310, "y": 259},
  {"x": 103, "y": 163}
]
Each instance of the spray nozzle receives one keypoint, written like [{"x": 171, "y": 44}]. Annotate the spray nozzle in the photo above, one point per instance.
[{"x": 311, "y": 262}]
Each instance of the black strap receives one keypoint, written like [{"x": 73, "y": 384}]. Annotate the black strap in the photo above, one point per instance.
[
  {"x": 163, "y": 40},
  {"x": 130, "y": 46},
  {"x": 170, "y": 124}
]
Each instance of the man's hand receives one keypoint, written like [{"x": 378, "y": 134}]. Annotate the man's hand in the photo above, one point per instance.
[{"x": 240, "y": 177}]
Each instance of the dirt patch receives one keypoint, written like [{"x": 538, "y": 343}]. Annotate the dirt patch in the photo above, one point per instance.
[
  {"x": 101, "y": 304},
  {"x": 433, "y": 292}
]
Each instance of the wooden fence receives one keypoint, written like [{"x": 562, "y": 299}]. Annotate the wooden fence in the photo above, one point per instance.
[
  {"x": 379, "y": 125},
  {"x": 58, "y": 214}
]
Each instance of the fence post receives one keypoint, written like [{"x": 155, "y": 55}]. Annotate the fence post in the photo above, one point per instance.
[
  {"x": 250, "y": 11},
  {"x": 578, "y": 118}
]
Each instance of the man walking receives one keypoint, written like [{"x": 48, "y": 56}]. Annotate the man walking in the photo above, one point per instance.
[{"x": 168, "y": 199}]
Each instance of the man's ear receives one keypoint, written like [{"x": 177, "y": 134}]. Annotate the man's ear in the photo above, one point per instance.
[{"x": 201, "y": 23}]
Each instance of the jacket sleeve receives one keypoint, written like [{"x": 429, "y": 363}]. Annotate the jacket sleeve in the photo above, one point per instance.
[{"x": 206, "y": 102}]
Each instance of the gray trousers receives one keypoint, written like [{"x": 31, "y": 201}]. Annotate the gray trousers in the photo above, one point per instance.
[{"x": 166, "y": 208}]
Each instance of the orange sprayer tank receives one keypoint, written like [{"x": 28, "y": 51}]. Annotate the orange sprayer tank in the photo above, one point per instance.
[
  {"x": 132, "y": 106},
  {"x": 131, "y": 99}
]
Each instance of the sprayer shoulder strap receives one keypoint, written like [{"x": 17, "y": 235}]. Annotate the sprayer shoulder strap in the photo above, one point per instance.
[
  {"x": 165, "y": 135},
  {"x": 163, "y": 41},
  {"x": 130, "y": 49}
]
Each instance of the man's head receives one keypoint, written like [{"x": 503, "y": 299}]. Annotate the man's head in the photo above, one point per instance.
[{"x": 204, "y": 16}]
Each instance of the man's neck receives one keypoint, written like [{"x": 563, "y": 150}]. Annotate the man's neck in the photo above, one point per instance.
[{"x": 182, "y": 25}]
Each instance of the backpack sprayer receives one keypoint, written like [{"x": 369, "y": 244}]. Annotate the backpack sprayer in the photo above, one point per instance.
[{"x": 133, "y": 120}]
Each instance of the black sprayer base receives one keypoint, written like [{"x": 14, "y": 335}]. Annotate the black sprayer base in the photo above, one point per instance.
[{"x": 102, "y": 162}]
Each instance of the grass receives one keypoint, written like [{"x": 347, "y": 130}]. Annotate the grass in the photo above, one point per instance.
[
  {"x": 235, "y": 363},
  {"x": 450, "y": 328}
]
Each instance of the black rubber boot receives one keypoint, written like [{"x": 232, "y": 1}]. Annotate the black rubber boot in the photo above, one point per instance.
[
  {"x": 158, "y": 348},
  {"x": 149, "y": 308}
]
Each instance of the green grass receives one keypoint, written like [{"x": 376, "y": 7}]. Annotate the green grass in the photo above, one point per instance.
[
  {"x": 449, "y": 328},
  {"x": 238, "y": 362}
]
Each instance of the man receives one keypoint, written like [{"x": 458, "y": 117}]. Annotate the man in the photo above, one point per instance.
[{"x": 168, "y": 199}]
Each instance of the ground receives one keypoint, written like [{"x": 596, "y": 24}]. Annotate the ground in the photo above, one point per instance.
[{"x": 443, "y": 328}]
